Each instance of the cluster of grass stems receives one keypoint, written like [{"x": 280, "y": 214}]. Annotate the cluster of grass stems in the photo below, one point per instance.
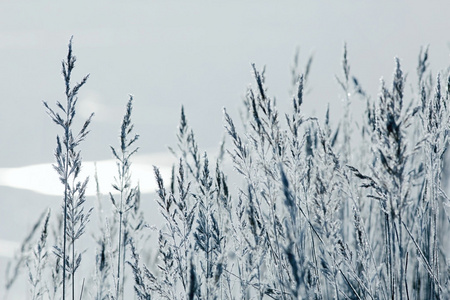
[{"x": 306, "y": 217}]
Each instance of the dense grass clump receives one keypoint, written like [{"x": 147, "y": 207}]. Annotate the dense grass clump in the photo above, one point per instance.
[{"x": 307, "y": 216}]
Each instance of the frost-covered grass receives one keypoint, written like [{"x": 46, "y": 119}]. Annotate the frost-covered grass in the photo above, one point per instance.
[{"x": 355, "y": 210}]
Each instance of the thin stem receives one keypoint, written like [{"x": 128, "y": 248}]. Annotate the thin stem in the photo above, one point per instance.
[
  {"x": 120, "y": 227},
  {"x": 119, "y": 249},
  {"x": 66, "y": 188},
  {"x": 73, "y": 269}
]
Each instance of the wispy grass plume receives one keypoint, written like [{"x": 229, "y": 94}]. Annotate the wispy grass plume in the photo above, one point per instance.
[{"x": 68, "y": 167}]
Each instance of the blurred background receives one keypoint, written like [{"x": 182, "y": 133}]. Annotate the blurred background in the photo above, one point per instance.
[{"x": 173, "y": 53}]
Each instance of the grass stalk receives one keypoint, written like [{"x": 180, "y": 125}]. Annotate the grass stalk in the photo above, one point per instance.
[
  {"x": 68, "y": 167},
  {"x": 128, "y": 194}
]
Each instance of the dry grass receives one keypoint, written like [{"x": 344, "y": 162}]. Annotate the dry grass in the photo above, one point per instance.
[{"x": 307, "y": 216}]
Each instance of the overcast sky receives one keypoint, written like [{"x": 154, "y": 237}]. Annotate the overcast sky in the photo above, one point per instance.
[{"x": 192, "y": 53}]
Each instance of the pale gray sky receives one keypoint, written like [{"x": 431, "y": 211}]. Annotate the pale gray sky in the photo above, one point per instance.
[{"x": 196, "y": 53}]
